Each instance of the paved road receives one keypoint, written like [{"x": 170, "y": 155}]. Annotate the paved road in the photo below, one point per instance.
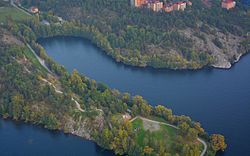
[
  {"x": 41, "y": 61},
  {"x": 205, "y": 146},
  {"x": 163, "y": 123}
]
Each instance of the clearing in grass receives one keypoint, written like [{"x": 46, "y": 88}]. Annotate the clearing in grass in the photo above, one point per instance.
[
  {"x": 149, "y": 133},
  {"x": 157, "y": 135}
]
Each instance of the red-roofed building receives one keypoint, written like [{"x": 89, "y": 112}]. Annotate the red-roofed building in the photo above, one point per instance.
[
  {"x": 228, "y": 4},
  {"x": 189, "y": 3},
  {"x": 179, "y": 6},
  {"x": 155, "y": 5},
  {"x": 138, "y": 3},
  {"x": 34, "y": 10},
  {"x": 183, "y": 6}
]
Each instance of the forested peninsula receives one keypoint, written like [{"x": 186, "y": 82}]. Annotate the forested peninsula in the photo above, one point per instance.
[
  {"x": 35, "y": 89},
  {"x": 204, "y": 35}
]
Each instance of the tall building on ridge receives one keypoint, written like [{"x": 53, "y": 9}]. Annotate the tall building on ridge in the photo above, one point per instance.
[
  {"x": 159, "y": 6},
  {"x": 155, "y": 5},
  {"x": 137, "y": 3}
]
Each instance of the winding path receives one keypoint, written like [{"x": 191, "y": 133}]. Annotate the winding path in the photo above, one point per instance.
[
  {"x": 42, "y": 62},
  {"x": 163, "y": 123},
  {"x": 60, "y": 92},
  {"x": 78, "y": 106}
]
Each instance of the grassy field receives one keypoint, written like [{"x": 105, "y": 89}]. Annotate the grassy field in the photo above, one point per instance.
[
  {"x": 16, "y": 14},
  {"x": 165, "y": 135},
  {"x": 138, "y": 126}
]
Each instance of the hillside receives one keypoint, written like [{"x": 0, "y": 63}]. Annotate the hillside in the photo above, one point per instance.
[{"x": 197, "y": 37}]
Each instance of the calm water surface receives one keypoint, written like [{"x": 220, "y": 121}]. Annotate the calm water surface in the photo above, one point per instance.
[
  {"x": 246, "y": 2},
  {"x": 219, "y": 99},
  {"x": 19, "y": 139}
]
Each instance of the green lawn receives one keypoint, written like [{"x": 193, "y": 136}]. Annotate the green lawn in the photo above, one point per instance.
[
  {"x": 138, "y": 127},
  {"x": 16, "y": 14},
  {"x": 165, "y": 135}
]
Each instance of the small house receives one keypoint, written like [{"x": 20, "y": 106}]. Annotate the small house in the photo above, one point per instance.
[
  {"x": 228, "y": 4},
  {"x": 126, "y": 116},
  {"x": 34, "y": 10}
]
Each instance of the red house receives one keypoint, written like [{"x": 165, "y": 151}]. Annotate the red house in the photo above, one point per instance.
[
  {"x": 34, "y": 10},
  {"x": 228, "y": 4}
]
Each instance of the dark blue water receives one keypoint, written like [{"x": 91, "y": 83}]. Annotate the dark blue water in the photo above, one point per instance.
[
  {"x": 18, "y": 139},
  {"x": 247, "y": 2}
]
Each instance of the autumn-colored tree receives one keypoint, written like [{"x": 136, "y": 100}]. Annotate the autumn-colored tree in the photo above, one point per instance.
[
  {"x": 76, "y": 82},
  {"x": 164, "y": 112},
  {"x": 120, "y": 143},
  {"x": 190, "y": 150},
  {"x": 198, "y": 127},
  {"x": 162, "y": 152},
  {"x": 148, "y": 150},
  {"x": 140, "y": 106},
  {"x": 184, "y": 127},
  {"x": 218, "y": 142},
  {"x": 107, "y": 136},
  {"x": 192, "y": 134},
  {"x": 17, "y": 102}
]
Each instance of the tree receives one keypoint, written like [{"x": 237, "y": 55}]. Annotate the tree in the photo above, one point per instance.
[
  {"x": 148, "y": 150},
  {"x": 190, "y": 150},
  {"x": 198, "y": 127},
  {"x": 140, "y": 106},
  {"x": 76, "y": 82},
  {"x": 184, "y": 127},
  {"x": 162, "y": 152},
  {"x": 121, "y": 141},
  {"x": 50, "y": 121},
  {"x": 164, "y": 112},
  {"x": 192, "y": 134},
  {"x": 17, "y": 102},
  {"x": 26, "y": 113},
  {"x": 126, "y": 98},
  {"x": 106, "y": 137},
  {"x": 218, "y": 142}
]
